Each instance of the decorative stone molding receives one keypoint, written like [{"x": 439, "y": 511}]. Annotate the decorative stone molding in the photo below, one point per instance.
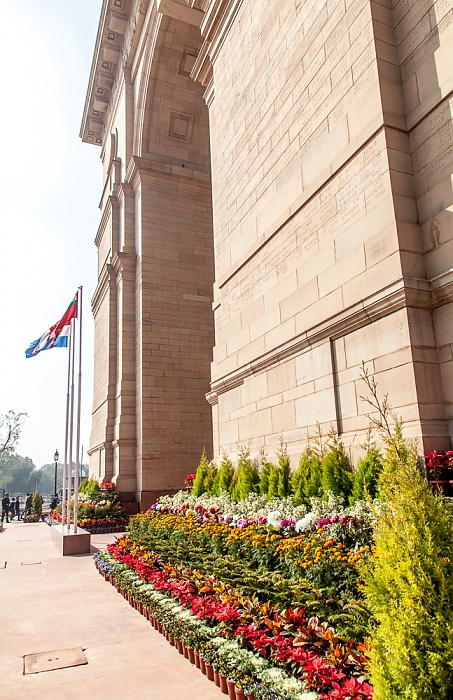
[
  {"x": 404, "y": 292},
  {"x": 108, "y": 52},
  {"x": 217, "y": 22}
]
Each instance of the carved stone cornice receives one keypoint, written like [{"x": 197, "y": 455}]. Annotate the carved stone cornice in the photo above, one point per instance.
[
  {"x": 217, "y": 22},
  {"x": 108, "y": 55},
  {"x": 112, "y": 201},
  {"x": 139, "y": 166},
  {"x": 404, "y": 292},
  {"x": 124, "y": 262},
  {"x": 107, "y": 279}
]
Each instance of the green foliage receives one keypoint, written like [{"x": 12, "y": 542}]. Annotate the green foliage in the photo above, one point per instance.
[
  {"x": 366, "y": 478},
  {"x": 337, "y": 475},
  {"x": 89, "y": 486},
  {"x": 18, "y": 474},
  {"x": 202, "y": 471},
  {"x": 36, "y": 504},
  {"x": 272, "y": 490},
  {"x": 306, "y": 480},
  {"x": 224, "y": 476},
  {"x": 210, "y": 478},
  {"x": 409, "y": 587},
  {"x": 246, "y": 477},
  {"x": 10, "y": 427},
  {"x": 264, "y": 468},
  {"x": 284, "y": 471}
]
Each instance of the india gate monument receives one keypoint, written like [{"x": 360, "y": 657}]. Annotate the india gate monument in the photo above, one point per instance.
[{"x": 276, "y": 210}]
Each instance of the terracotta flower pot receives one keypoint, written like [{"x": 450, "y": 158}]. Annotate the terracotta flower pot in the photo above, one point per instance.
[
  {"x": 185, "y": 651},
  {"x": 202, "y": 665},
  {"x": 240, "y": 695},
  {"x": 217, "y": 678},
  {"x": 209, "y": 672},
  {"x": 250, "y": 697},
  {"x": 197, "y": 659},
  {"x": 191, "y": 656},
  {"x": 223, "y": 684},
  {"x": 231, "y": 690}
]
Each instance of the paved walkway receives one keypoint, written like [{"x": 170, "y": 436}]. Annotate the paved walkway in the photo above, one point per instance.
[{"x": 49, "y": 603}]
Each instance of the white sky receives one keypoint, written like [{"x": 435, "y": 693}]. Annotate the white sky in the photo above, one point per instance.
[{"x": 50, "y": 187}]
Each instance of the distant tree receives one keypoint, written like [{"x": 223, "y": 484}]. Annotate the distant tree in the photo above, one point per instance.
[
  {"x": 10, "y": 425},
  {"x": 17, "y": 473}
]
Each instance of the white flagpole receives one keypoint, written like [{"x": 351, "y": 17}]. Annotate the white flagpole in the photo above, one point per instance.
[
  {"x": 71, "y": 427},
  {"x": 79, "y": 396},
  {"x": 65, "y": 464}
]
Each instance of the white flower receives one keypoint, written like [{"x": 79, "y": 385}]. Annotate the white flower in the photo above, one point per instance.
[
  {"x": 306, "y": 523},
  {"x": 274, "y": 518}
]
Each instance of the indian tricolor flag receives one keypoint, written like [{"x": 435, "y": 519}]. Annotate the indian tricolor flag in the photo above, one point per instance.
[{"x": 57, "y": 335}]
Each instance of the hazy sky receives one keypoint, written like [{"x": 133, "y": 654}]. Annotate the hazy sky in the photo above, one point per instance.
[{"x": 50, "y": 187}]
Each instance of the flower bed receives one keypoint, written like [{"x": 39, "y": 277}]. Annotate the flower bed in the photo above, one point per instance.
[
  {"x": 265, "y": 664},
  {"x": 283, "y": 585},
  {"x": 99, "y": 509}
]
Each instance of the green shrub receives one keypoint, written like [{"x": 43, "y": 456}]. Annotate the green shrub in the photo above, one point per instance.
[
  {"x": 199, "y": 484},
  {"x": 36, "y": 504},
  {"x": 209, "y": 481},
  {"x": 306, "y": 480},
  {"x": 284, "y": 471},
  {"x": 224, "y": 476},
  {"x": 367, "y": 475},
  {"x": 246, "y": 477},
  {"x": 273, "y": 479},
  {"x": 89, "y": 486},
  {"x": 337, "y": 475},
  {"x": 410, "y": 586},
  {"x": 264, "y": 468}
]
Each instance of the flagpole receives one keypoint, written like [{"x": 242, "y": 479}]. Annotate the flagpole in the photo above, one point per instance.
[
  {"x": 71, "y": 427},
  {"x": 79, "y": 397},
  {"x": 65, "y": 464}
]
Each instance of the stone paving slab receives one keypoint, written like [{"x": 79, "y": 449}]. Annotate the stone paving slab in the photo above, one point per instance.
[{"x": 62, "y": 603}]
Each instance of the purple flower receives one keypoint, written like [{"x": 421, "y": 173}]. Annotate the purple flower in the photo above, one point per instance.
[{"x": 262, "y": 520}]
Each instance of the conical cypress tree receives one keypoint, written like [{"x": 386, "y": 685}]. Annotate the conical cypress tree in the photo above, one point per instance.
[
  {"x": 199, "y": 484},
  {"x": 246, "y": 478},
  {"x": 264, "y": 469},
  {"x": 224, "y": 477},
  {"x": 409, "y": 586},
  {"x": 366, "y": 478},
  {"x": 306, "y": 480},
  {"x": 337, "y": 474},
  {"x": 284, "y": 471}
]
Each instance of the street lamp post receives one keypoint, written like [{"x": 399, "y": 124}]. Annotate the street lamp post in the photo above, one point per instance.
[{"x": 55, "y": 459}]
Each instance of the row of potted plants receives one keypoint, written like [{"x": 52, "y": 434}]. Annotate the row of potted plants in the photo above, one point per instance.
[
  {"x": 291, "y": 638},
  {"x": 252, "y": 671}
]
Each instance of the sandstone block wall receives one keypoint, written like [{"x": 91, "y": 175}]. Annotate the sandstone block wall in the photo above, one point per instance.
[{"x": 293, "y": 229}]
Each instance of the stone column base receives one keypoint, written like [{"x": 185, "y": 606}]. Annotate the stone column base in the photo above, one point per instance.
[{"x": 69, "y": 543}]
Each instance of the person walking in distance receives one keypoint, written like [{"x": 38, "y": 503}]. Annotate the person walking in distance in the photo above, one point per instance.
[
  {"x": 5, "y": 507},
  {"x": 28, "y": 502},
  {"x": 15, "y": 508}
]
